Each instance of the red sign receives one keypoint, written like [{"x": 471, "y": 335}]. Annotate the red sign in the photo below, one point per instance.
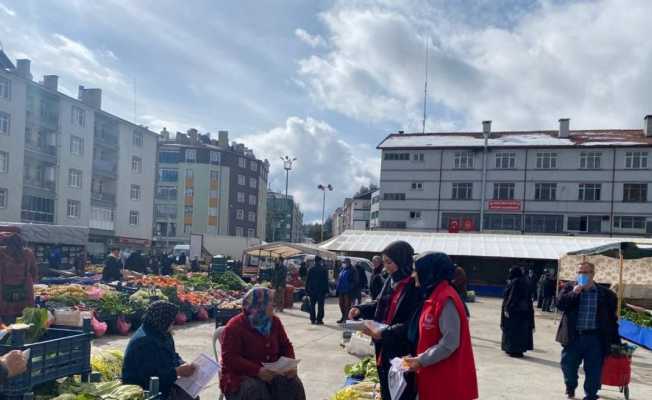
[
  {"x": 505, "y": 205},
  {"x": 468, "y": 225},
  {"x": 133, "y": 241},
  {"x": 453, "y": 225}
]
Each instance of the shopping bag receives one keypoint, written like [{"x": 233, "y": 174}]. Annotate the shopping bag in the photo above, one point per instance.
[
  {"x": 396, "y": 379},
  {"x": 99, "y": 328},
  {"x": 360, "y": 345},
  {"x": 122, "y": 326},
  {"x": 305, "y": 304}
]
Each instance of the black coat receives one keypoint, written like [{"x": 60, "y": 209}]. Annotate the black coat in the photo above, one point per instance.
[
  {"x": 518, "y": 326},
  {"x": 607, "y": 319},
  {"x": 112, "y": 270},
  {"x": 376, "y": 285},
  {"x": 549, "y": 287},
  {"x": 317, "y": 281}
]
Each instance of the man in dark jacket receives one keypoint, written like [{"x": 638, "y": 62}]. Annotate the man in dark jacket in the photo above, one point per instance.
[
  {"x": 549, "y": 289},
  {"x": 377, "y": 278},
  {"x": 588, "y": 327},
  {"x": 363, "y": 282},
  {"x": 317, "y": 289},
  {"x": 112, "y": 267}
]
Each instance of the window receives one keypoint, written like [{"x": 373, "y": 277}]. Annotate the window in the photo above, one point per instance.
[
  {"x": 137, "y": 164},
  {"x": 37, "y": 209},
  {"x": 463, "y": 160},
  {"x": 462, "y": 191},
  {"x": 418, "y": 157},
  {"x": 590, "y": 191},
  {"x": 545, "y": 191},
  {"x": 393, "y": 224},
  {"x": 78, "y": 116},
  {"x": 4, "y": 197},
  {"x": 253, "y": 183},
  {"x": 397, "y": 156},
  {"x": 212, "y": 212},
  {"x": 471, "y": 220},
  {"x": 168, "y": 175},
  {"x": 166, "y": 193},
  {"x": 251, "y": 232},
  {"x": 635, "y": 192},
  {"x": 636, "y": 160},
  {"x": 239, "y": 231},
  {"x": 505, "y": 160},
  {"x": 546, "y": 160},
  {"x": 502, "y": 222},
  {"x": 189, "y": 173},
  {"x": 166, "y": 211},
  {"x": 590, "y": 159},
  {"x": 241, "y": 197},
  {"x": 242, "y": 163},
  {"x": 215, "y": 176},
  {"x": 134, "y": 217},
  {"x": 189, "y": 192},
  {"x": 629, "y": 222},
  {"x": 4, "y": 162},
  {"x": 415, "y": 214},
  {"x": 394, "y": 196},
  {"x": 75, "y": 178},
  {"x": 251, "y": 216},
  {"x": 137, "y": 139},
  {"x": 135, "y": 192},
  {"x": 544, "y": 223},
  {"x": 165, "y": 229},
  {"x": 241, "y": 180},
  {"x": 503, "y": 191},
  {"x": 76, "y": 146},
  {"x": 5, "y": 123},
  {"x": 239, "y": 214},
  {"x": 5, "y": 88},
  {"x": 215, "y": 157},
  {"x": 73, "y": 209},
  {"x": 586, "y": 223},
  {"x": 417, "y": 186},
  {"x": 191, "y": 155},
  {"x": 252, "y": 200},
  {"x": 187, "y": 211},
  {"x": 168, "y": 157},
  {"x": 253, "y": 166}
]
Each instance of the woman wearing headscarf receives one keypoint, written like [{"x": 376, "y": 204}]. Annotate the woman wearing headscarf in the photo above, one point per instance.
[
  {"x": 393, "y": 307},
  {"x": 151, "y": 353},
  {"x": 18, "y": 272},
  {"x": 250, "y": 339},
  {"x": 444, "y": 362},
  {"x": 517, "y": 318}
]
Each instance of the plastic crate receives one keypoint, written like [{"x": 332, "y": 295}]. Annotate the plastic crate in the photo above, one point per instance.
[
  {"x": 223, "y": 315},
  {"x": 61, "y": 352}
]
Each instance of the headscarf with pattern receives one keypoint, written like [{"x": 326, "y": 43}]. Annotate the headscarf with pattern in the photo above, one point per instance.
[
  {"x": 159, "y": 316},
  {"x": 254, "y": 306}
]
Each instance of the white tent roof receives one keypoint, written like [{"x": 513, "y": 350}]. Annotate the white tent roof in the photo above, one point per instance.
[{"x": 471, "y": 244}]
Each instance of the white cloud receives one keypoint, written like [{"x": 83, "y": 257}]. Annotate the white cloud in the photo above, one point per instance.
[
  {"x": 7, "y": 10},
  {"x": 323, "y": 157},
  {"x": 310, "y": 40},
  {"x": 560, "y": 60}
]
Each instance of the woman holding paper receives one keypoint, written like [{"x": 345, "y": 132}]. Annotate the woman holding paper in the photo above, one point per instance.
[
  {"x": 257, "y": 356},
  {"x": 440, "y": 328},
  {"x": 393, "y": 308}
]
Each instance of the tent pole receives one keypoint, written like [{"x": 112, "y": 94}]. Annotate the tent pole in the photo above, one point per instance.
[{"x": 621, "y": 290}]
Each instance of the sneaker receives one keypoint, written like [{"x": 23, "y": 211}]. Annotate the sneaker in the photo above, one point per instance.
[{"x": 570, "y": 393}]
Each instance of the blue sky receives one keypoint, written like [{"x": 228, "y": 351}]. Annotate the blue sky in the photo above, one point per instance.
[{"x": 325, "y": 81}]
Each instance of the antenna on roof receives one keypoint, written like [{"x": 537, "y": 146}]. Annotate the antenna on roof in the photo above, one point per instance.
[
  {"x": 425, "y": 88},
  {"x": 135, "y": 101}
]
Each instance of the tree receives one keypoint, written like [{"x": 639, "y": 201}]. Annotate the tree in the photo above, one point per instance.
[{"x": 365, "y": 189}]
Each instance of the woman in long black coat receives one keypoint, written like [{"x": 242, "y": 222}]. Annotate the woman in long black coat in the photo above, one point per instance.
[{"x": 517, "y": 318}]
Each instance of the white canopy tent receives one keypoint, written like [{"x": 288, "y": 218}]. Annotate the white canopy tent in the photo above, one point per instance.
[{"x": 286, "y": 250}]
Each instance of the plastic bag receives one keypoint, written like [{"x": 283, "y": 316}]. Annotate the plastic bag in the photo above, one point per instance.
[
  {"x": 305, "y": 304},
  {"x": 396, "y": 378},
  {"x": 94, "y": 293},
  {"x": 99, "y": 328},
  {"x": 202, "y": 314},
  {"x": 180, "y": 319},
  {"x": 122, "y": 326},
  {"x": 360, "y": 345}
]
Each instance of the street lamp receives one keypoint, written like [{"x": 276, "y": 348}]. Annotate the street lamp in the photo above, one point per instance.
[
  {"x": 323, "y": 188},
  {"x": 287, "y": 166}
]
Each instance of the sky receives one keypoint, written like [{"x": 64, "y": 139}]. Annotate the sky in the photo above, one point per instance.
[{"x": 325, "y": 81}]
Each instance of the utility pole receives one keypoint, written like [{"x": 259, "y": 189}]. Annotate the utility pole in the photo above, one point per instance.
[
  {"x": 425, "y": 89},
  {"x": 288, "y": 162},
  {"x": 323, "y": 188}
]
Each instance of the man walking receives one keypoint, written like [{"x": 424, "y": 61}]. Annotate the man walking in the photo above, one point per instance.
[
  {"x": 317, "y": 288},
  {"x": 588, "y": 327},
  {"x": 279, "y": 282}
]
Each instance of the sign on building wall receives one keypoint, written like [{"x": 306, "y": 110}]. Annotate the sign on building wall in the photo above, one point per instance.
[{"x": 505, "y": 205}]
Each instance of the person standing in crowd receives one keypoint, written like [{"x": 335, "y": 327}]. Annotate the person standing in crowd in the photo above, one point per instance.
[
  {"x": 588, "y": 328},
  {"x": 18, "y": 272},
  {"x": 460, "y": 282},
  {"x": 317, "y": 289},
  {"x": 303, "y": 271},
  {"x": 112, "y": 267},
  {"x": 377, "y": 279},
  {"x": 540, "y": 284},
  {"x": 194, "y": 265},
  {"x": 532, "y": 284},
  {"x": 254, "y": 337},
  {"x": 79, "y": 264},
  {"x": 394, "y": 307},
  {"x": 548, "y": 291},
  {"x": 151, "y": 352},
  {"x": 444, "y": 363},
  {"x": 363, "y": 282},
  {"x": 279, "y": 282},
  {"x": 154, "y": 265},
  {"x": 347, "y": 283},
  {"x": 166, "y": 264},
  {"x": 182, "y": 259},
  {"x": 517, "y": 318},
  {"x": 54, "y": 258}
]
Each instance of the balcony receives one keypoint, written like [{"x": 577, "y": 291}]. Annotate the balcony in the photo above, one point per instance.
[
  {"x": 106, "y": 139},
  {"x": 103, "y": 225},
  {"x": 105, "y": 168},
  {"x": 40, "y": 184},
  {"x": 103, "y": 197}
]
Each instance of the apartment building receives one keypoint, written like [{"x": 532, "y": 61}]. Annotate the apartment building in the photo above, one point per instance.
[
  {"x": 540, "y": 182},
  {"x": 65, "y": 161},
  {"x": 208, "y": 186},
  {"x": 355, "y": 213},
  {"x": 284, "y": 219}
]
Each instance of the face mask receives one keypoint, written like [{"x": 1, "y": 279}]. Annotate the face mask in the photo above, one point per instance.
[{"x": 582, "y": 279}]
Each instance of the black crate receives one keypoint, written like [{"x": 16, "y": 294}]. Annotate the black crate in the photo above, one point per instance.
[
  {"x": 60, "y": 353},
  {"x": 223, "y": 315}
]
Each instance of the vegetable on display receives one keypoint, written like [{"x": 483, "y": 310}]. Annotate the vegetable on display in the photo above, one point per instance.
[{"x": 639, "y": 318}]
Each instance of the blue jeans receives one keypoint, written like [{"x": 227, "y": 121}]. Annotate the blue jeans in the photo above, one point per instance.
[{"x": 587, "y": 348}]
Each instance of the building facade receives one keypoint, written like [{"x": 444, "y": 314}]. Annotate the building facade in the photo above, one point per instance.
[
  {"x": 65, "y": 161},
  {"x": 284, "y": 219},
  {"x": 551, "y": 182},
  {"x": 355, "y": 213},
  {"x": 208, "y": 186}
]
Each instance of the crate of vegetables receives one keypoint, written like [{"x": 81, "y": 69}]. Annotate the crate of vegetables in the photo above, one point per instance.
[{"x": 53, "y": 353}]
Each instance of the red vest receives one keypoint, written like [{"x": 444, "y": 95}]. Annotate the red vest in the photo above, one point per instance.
[{"x": 453, "y": 378}]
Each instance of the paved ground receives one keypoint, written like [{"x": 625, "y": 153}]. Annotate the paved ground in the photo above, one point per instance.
[{"x": 536, "y": 377}]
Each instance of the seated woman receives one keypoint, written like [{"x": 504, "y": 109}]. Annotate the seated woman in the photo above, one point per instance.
[
  {"x": 250, "y": 339},
  {"x": 151, "y": 352}
]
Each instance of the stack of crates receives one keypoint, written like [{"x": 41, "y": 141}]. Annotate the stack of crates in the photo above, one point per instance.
[{"x": 218, "y": 265}]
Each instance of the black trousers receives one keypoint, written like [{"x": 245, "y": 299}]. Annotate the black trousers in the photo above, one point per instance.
[{"x": 317, "y": 308}]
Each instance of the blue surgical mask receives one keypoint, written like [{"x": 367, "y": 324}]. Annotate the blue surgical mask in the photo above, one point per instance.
[{"x": 583, "y": 279}]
